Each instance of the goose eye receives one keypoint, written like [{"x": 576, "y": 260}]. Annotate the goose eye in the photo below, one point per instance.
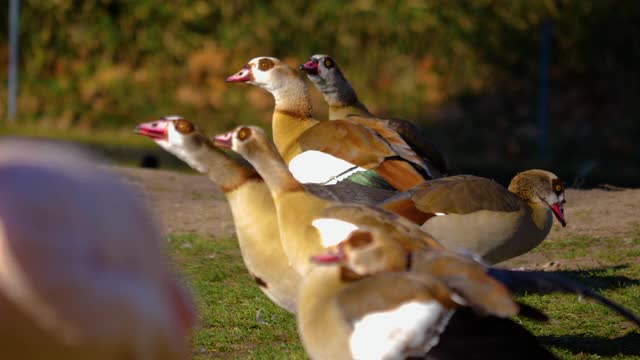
[
  {"x": 557, "y": 185},
  {"x": 243, "y": 134},
  {"x": 328, "y": 63},
  {"x": 265, "y": 64},
  {"x": 360, "y": 238},
  {"x": 184, "y": 126}
]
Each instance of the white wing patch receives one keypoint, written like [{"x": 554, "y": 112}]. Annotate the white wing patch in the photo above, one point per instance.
[
  {"x": 411, "y": 329},
  {"x": 333, "y": 231},
  {"x": 316, "y": 167},
  {"x": 439, "y": 214}
]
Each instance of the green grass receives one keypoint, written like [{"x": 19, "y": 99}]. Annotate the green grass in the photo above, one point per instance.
[
  {"x": 228, "y": 301},
  {"x": 582, "y": 329}
]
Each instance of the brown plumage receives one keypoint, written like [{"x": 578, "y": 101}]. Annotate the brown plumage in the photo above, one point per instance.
[
  {"x": 338, "y": 302},
  {"x": 346, "y": 140},
  {"x": 251, "y": 203},
  {"x": 362, "y": 143},
  {"x": 296, "y": 207},
  {"x": 479, "y": 215},
  {"x": 343, "y": 102},
  {"x": 463, "y": 194},
  {"x": 335, "y": 317}
]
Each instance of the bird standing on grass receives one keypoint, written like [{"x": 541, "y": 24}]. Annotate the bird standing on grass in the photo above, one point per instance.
[
  {"x": 367, "y": 298},
  {"x": 477, "y": 214},
  {"x": 296, "y": 207},
  {"x": 308, "y": 225},
  {"x": 252, "y": 207}
]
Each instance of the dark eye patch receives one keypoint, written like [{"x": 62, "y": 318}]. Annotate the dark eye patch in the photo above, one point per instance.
[
  {"x": 557, "y": 186},
  {"x": 184, "y": 126},
  {"x": 328, "y": 63},
  {"x": 265, "y": 64},
  {"x": 360, "y": 238},
  {"x": 244, "y": 133}
]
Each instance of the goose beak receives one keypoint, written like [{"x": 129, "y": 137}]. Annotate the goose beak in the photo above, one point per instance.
[
  {"x": 157, "y": 130},
  {"x": 558, "y": 211},
  {"x": 334, "y": 255},
  {"x": 328, "y": 258},
  {"x": 223, "y": 140},
  {"x": 243, "y": 75},
  {"x": 310, "y": 67}
]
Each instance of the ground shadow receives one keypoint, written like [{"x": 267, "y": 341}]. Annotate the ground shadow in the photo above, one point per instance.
[
  {"x": 628, "y": 344},
  {"x": 599, "y": 278},
  {"x": 596, "y": 279}
]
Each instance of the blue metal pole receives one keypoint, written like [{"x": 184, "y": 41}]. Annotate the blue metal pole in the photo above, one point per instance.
[{"x": 14, "y": 14}]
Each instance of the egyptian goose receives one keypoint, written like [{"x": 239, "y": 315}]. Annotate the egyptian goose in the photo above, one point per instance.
[
  {"x": 373, "y": 300},
  {"x": 480, "y": 215},
  {"x": 82, "y": 269},
  {"x": 252, "y": 207},
  {"x": 251, "y": 204},
  {"x": 343, "y": 102},
  {"x": 296, "y": 207},
  {"x": 327, "y": 152},
  {"x": 383, "y": 301},
  {"x": 406, "y": 236},
  {"x": 309, "y": 224}
]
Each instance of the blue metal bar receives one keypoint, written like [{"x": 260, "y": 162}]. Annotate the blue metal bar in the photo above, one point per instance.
[
  {"x": 543, "y": 92},
  {"x": 14, "y": 14}
]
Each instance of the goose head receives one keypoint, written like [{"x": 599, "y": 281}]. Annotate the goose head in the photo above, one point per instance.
[
  {"x": 321, "y": 69},
  {"x": 365, "y": 252},
  {"x": 289, "y": 90},
  {"x": 245, "y": 140},
  {"x": 178, "y": 136},
  {"x": 268, "y": 73},
  {"x": 325, "y": 74},
  {"x": 540, "y": 187}
]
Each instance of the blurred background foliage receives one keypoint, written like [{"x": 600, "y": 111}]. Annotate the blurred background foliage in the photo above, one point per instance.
[{"x": 468, "y": 71}]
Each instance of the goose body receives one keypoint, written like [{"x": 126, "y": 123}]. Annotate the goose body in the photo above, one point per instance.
[
  {"x": 324, "y": 73},
  {"x": 296, "y": 207},
  {"x": 479, "y": 215},
  {"x": 385, "y": 332},
  {"x": 251, "y": 203},
  {"x": 366, "y": 301},
  {"x": 379, "y": 296},
  {"x": 378, "y": 151},
  {"x": 340, "y": 311}
]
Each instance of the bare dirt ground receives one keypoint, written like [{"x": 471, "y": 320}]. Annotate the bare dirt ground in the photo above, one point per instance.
[{"x": 188, "y": 203}]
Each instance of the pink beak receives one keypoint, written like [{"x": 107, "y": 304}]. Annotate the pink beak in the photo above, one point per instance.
[
  {"x": 224, "y": 140},
  {"x": 558, "y": 211},
  {"x": 156, "y": 130},
  {"x": 333, "y": 256},
  {"x": 310, "y": 67},
  {"x": 243, "y": 75},
  {"x": 328, "y": 258}
]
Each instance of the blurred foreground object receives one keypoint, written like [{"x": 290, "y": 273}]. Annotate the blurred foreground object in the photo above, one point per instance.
[{"x": 82, "y": 270}]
